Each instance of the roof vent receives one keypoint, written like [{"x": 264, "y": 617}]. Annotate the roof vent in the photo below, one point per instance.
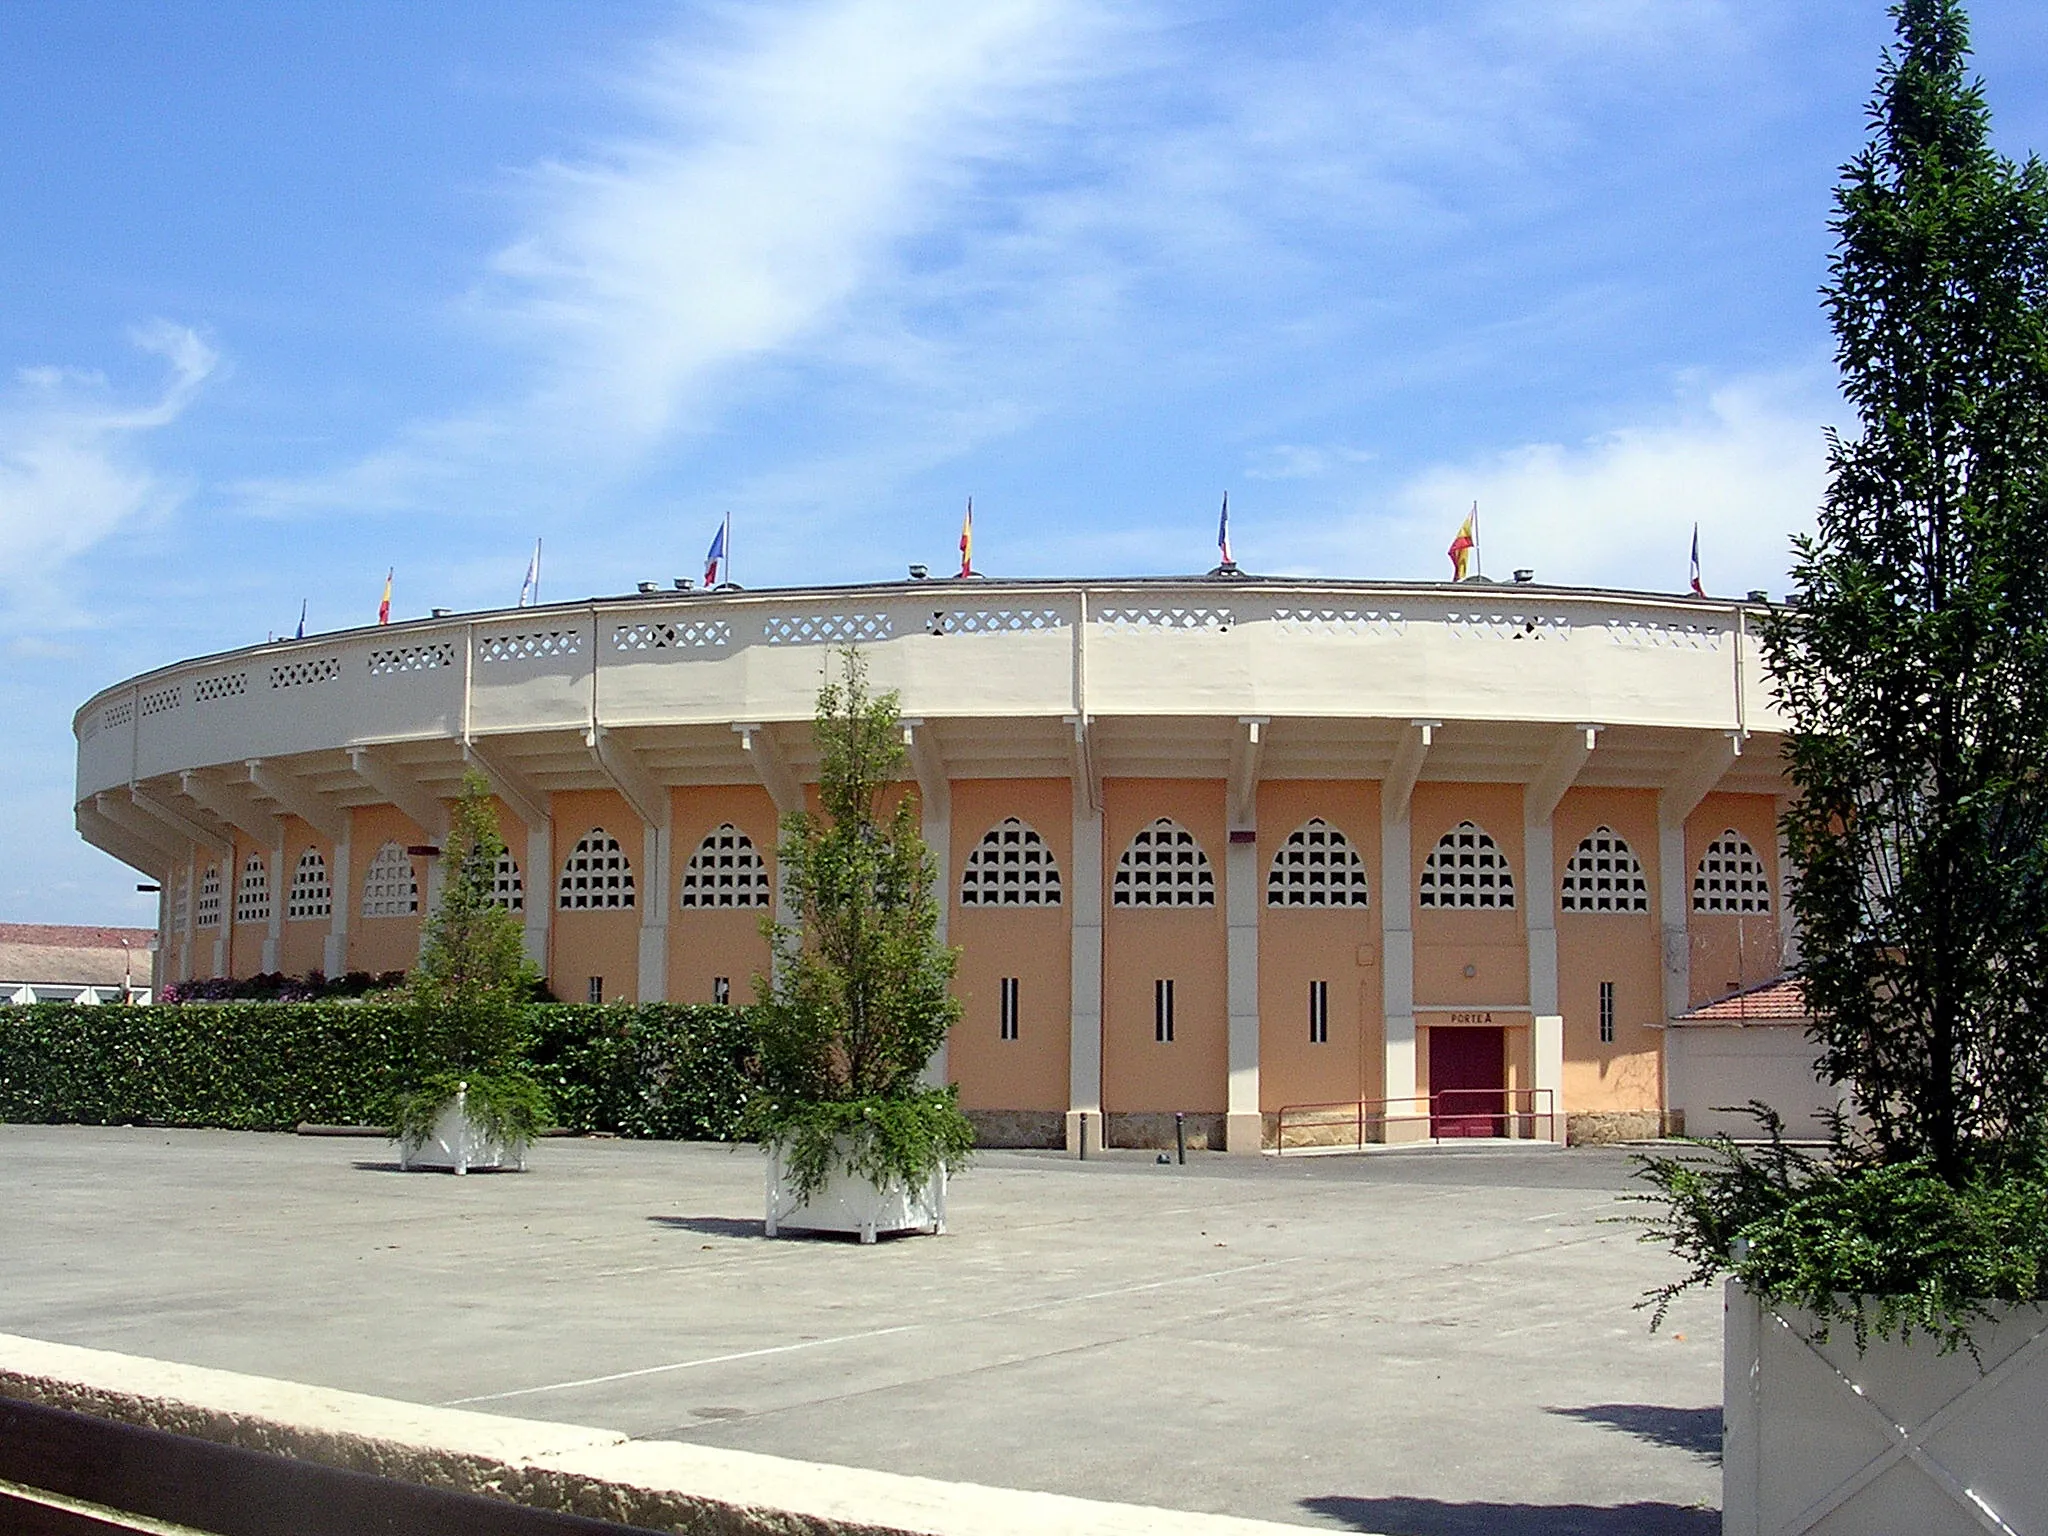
[
  {"x": 650, "y": 586},
  {"x": 682, "y": 583},
  {"x": 1524, "y": 575},
  {"x": 920, "y": 572},
  {"x": 1759, "y": 595},
  {"x": 442, "y": 613}
]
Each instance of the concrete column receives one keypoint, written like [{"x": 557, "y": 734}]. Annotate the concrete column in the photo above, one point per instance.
[
  {"x": 540, "y": 891},
  {"x": 1788, "y": 922},
  {"x": 654, "y": 899},
  {"x": 335, "y": 960},
  {"x": 1547, "y": 1060},
  {"x": 1539, "y": 912},
  {"x": 280, "y": 892},
  {"x": 1084, "y": 1068},
  {"x": 936, "y": 828},
  {"x": 1674, "y": 889},
  {"x": 1243, "y": 1127},
  {"x": 1397, "y": 944}
]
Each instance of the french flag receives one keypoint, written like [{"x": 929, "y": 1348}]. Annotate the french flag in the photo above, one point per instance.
[{"x": 714, "y": 558}]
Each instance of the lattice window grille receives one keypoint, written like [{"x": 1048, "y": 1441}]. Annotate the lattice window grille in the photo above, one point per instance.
[
  {"x": 209, "y": 898},
  {"x": 252, "y": 893},
  {"x": 413, "y": 658},
  {"x": 1316, "y": 867},
  {"x": 531, "y": 646},
  {"x": 162, "y": 700},
  {"x": 390, "y": 889},
  {"x": 1010, "y": 867},
  {"x": 1604, "y": 875},
  {"x": 296, "y": 674},
  {"x": 311, "y": 894},
  {"x": 828, "y": 628},
  {"x": 1731, "y": 877},
  {"x": 508, "y": 889},
  {"x": 1645, "y": 634},
  {"x": 995, "y": 621},
  {"x": 1128, "y": 621},
  {"x": 1466, "y": 869},
  {"x": 726, "y": 871},
  {"x": 120, "y": 714},
  {"x": 229, "y": 685},
  {"x": 1163, "y": 867},
  {"x": 690, "y": 635},
  {"x": 596, "y": 875},
  {"x": 1509, "y": 626},
  {"x": 1339, "y": 621}
]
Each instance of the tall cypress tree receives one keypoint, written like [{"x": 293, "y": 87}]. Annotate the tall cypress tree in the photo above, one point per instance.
[{"x": 1913, "y": 658}]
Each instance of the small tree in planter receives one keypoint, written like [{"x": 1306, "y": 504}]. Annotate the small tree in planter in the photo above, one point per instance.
[
  {"x": 857, "y": 1001},
  {"x": 472, "y": 1103}
]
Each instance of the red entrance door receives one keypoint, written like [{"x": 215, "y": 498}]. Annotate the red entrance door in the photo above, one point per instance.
[{"x": 1467, "y": 1082}]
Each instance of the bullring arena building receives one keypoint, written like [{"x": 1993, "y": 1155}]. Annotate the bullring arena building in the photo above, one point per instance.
[{"x": 1291, "y": 858}]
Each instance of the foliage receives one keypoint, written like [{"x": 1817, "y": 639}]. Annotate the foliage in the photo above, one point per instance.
[
  {"x": 508, "y": 1107},
  {"x": 276, "y": 987},
  {"x": 898, "y": 1138},
  {"x": 680, "y": 1072},
  {"x": 858, "y": 1000}
]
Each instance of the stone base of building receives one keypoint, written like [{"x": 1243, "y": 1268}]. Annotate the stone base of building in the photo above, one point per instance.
[
  {"x": 1040, "y": 1129},
  {"x": 1149, "y": 1130},
  {"x": 1610, "y": 1126}
]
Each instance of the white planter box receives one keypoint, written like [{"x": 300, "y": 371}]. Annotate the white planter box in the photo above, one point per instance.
[
  {"x": 849, "y": 1203},
  {"x": 459, "y": 1145},
  {"x": 1820, "y": 1440}
]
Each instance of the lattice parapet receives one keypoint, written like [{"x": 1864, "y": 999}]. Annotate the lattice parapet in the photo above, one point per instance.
[
  {"x": 229, "y": 685},
  {"x": 1339, "y": 621},
  {"x": 1135, "y": 620},
  {"x": 828, "y": 628},
  {"x": 689, "y": 635},
  {"x": 412, "y": 658},
  {"x": 1509, "y": 626},
  {"x": 89, "y": 727},
  {"x": 161, "y": 701},
  {"x": 1649, "y": 634},
  {"x": 530, "y": 645},
  {"x": 297, "y": 674},
  {"x": 118, "y": 715},
  {"x": 995, "y": 621}
]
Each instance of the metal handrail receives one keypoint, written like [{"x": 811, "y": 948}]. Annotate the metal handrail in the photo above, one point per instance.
[{"x": 1515, "y": 1113}]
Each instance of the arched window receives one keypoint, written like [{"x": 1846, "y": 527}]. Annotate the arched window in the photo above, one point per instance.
[
  {"x": 1316, "y": 867},
  {"x": 1731, "y": 877},
  {"x": 1010, "y": 867},
  {"x": 311, "y": 895},
  {"x": 1466, "y": 869},
  {"x": 1604, "y": 876},
  {"x": 390, "y": 889},
  {"x": 597, "y": 874},
  {"x": 252, "y": 893},
  {"x": 209, "y": 898},
  {"x": 508, "y": 890},
  {"x": 726, "y": 871},
  {"x": 1164, "y": 867}
]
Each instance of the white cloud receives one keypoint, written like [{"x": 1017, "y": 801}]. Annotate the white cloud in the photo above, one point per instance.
[{"x": 71, "y": 473}]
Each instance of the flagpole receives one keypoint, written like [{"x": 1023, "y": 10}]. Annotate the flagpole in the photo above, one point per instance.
[
  {"x": 727, "y": 572},
  {"x": 536, "y": 573},
  {"x": 1478, "y": 544}
]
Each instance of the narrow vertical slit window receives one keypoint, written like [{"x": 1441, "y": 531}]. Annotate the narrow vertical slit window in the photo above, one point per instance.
[
  {"x": 1319, "y": 1013},
  {"x": 596, "y": 989},
  {"x": 1009, "y": 1007},
  {"x": 1606, "y": 1013},
  {"x": 1162, "y": 1011},
  {"x": 721, "y": 989}
]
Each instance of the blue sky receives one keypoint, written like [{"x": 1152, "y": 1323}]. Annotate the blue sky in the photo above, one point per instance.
[{"x": 296, "y": 293}]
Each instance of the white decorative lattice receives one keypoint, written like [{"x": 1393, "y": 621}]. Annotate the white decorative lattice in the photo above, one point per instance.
[
  {"x": 689, "y": 635},
  {"x": 1163, "y": 867},
  {"x": 1133, "y": 620},
  {"x": 209, "y": 898},
  {"x": 1646, "y": 633},
  {"x": 180, "y": 890},
  {"x": 1339, "y": 621},
  {"x": 530, "y": 646},
  {"x": 1010, "y": 867},
  {"x": 1604, "y": 875},
  {"x": 161, "y": 701},
  {"x": 726, "y": 871},
  {"x": 1316, "y": 867},
  {"x": 1509, "y": 626},
  {"x": 311, "y": 895},
  {"x": 994, "y": 621},
  {"x": 229, "y": 685},
  {"x": 1466, "y": 869},
  {"x": 827, "y": 628},
  {"x": 296, "y": 674},
  {"x": 252, "y": 892},
  {"x": 596, "y": 875},
  {"x": 391, "y": 889},
  {"x": 1731, "y": 877},
  {"x": 119, "y": 714},
  {"x": 508, "y": 888},
  {"x": 412, "y": 658}
]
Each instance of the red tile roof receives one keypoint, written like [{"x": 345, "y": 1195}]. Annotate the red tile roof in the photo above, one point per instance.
[
  {"x": 1773, "y": 1002},
  {"x": 65, "y": 936}
]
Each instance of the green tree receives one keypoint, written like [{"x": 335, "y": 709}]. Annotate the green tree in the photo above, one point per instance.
[
  {"x": 1912, "y": 660},
  {"x": 858, "y": 1000}
]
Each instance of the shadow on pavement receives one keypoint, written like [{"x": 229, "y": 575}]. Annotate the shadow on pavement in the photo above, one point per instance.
[
  {"x": 1438, "y": 1517},
  {"x": 1697, "y": 1430},
  {"x": 712, "y": 1226}
]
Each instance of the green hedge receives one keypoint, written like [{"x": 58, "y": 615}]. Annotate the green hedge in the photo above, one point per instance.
[{"x": 658, "y": 1070}]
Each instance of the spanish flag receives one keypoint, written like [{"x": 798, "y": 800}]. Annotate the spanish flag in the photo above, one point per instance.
[
  {"x": 1463, "y": 545},
  {"x": 967, "y": 541},
  {"x": 384, "y": 608}
]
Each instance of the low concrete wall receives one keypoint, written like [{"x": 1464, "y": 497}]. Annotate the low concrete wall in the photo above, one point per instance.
[
  {"x": 1154, "y": 1131},
  {"x": 565, "y": 1469},
  {"x": 1043, "y": 1129},
  {"x": 1609, "y": 1126},
  {"x": 1711, "y": 1070}
]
